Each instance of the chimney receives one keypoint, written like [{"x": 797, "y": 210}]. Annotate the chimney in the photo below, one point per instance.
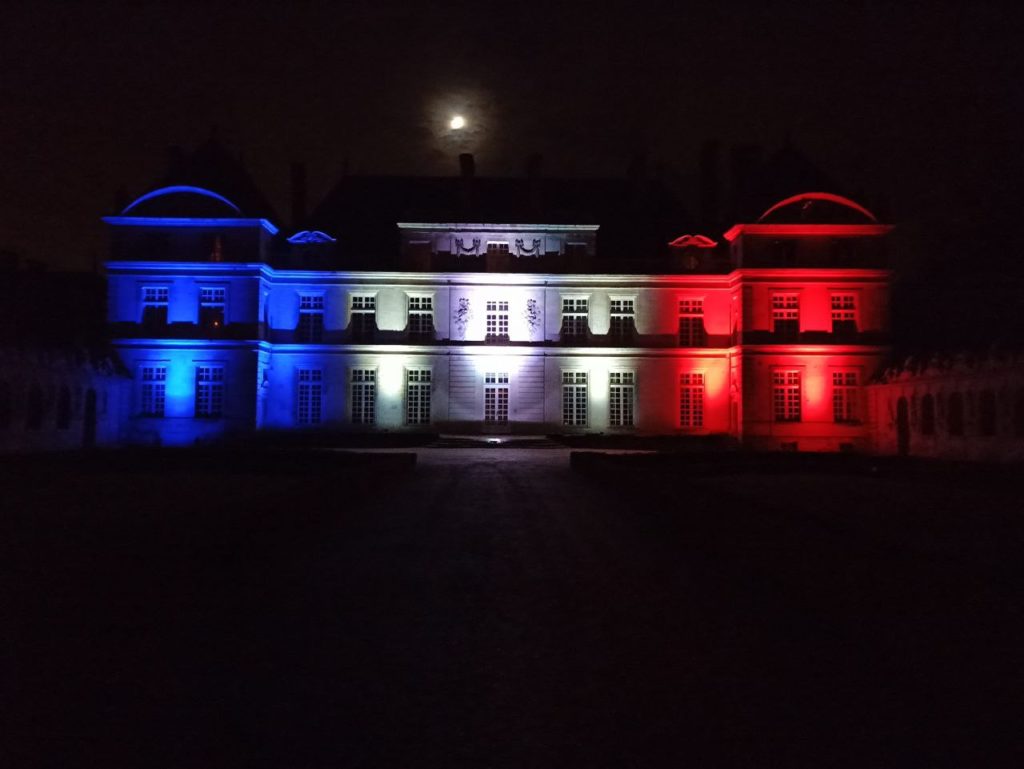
[
  {"x": 746, "y": 162},
  {"x": 709, "y": 184},
  {"x": 467, "y": 170},
  {"x": 120, "y": 199},
  {"x": 298, "y": 194},
  {"x": 637, "y": 175},
  {"x": 534, "y": 167}
]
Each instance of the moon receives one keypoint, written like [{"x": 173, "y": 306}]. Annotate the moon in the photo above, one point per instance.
[{"x": 457, "y": 122}]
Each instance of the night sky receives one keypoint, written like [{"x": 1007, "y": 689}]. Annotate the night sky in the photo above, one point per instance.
[{"x": 917, "y": 105}]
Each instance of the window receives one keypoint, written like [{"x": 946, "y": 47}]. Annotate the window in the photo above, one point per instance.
[
  {"x": 844, "y": 314},
  {"x": 211, "y": 307},
  {"x": 210, "y": 391},
  {"x": 417, "y": 396},
  {"x": 623, "y": 319},
  {"x": 496, "y": 398},
  {"x": 154, "y": 390},
  {"x": 310, "y": 396},
  {"x": 364, "y": 396},
  {"x": 154, "y": 306},
  {"x": 574, "y": 318},
  {"x": 691, "y": 400},
  {"x": 844, "y": 396},
  {"x": 497, "y": 321},
  {"x": 786, "y": 396},
  {"x": 311, "y": 318},
  {"x": 421, "y": 316},
  {"x": 928, "y": 415},
  {"x": 364, "y": 315},
  {"x": 621, "y": 389},
  {"x": 786, "y": 316},
  {"x": 495, "y": 247},
  {"x": 574, "y": 398},
  {"x": 691, "y": 323}
]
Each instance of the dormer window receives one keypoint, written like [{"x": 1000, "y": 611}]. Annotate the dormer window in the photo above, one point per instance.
[{"x": 495, "y": 247}]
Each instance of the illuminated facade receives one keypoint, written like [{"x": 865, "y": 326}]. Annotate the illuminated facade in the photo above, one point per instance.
[{"x": 768, "y": 334}]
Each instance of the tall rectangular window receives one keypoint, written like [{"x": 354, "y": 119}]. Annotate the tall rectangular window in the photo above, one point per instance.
[
  {"x": 574, "y": 318},
  {"x": 364, "y": 315},
  {"x": 153, "y": 395},
  {"x": 574, "y": 398},
  {"x": 417, "y": 396},
  {"x": 421, "y": 316},
  {"x": 310, "y": 396},
  {"x": 154, "y": 306},
  {"x": 691, "y": 323},
  {"x": 311, "y": 318},
  {"x": 844, "y": 396},
  {"x": 210, "y": 391},
  {"x": 786, "y": 316},
  {"x": 691, "y": 400},
  {"x": 497, "y": 321},
  {"x": 496, "y": 398},
  {"x": 623, "y": 319},
  {"x": 212, "y": 302},
  {"x": 844, "y": 314},
  {"x": 786, "y": 396},
  {"x": 364, "y": 396},
  {"x": 621, "y": 391}
]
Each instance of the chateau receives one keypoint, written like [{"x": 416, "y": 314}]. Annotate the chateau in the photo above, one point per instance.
[{"x": 475, "y": 305}]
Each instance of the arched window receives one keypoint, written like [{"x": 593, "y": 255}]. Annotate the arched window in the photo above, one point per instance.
[
  {"x": 955, "y": 420},
  {"x": 928, "y": 415},
  {"x": 64, "y": 408},
  {"x": 6, "y": 406},
  {"x": 987, "y": 413},
  {"x": 34, "y": 410}
]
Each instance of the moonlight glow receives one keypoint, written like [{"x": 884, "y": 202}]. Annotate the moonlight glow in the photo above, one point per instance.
[{"x": 457, "y": 122}]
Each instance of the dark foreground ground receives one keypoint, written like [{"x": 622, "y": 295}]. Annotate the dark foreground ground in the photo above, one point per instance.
[{"x": 495, "y": 608}]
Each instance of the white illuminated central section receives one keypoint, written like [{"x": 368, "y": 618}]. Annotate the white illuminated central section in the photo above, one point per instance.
[{"x": 457, "y": 122}]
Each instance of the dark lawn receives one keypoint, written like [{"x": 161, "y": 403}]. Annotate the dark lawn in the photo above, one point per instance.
[{"x": 495, "y": 608}]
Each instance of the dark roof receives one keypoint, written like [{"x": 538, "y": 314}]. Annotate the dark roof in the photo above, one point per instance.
[
  {"x": 211, "y": 167},
  {"x": 634, "y": 215}
]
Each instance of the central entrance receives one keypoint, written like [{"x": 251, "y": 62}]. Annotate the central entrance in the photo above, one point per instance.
[{"x": 495, "y": 401}]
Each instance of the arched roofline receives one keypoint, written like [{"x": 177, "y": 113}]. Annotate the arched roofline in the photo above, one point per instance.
[
  {"x": 177, "y": 189},
  {"x": 827, "y": 196}
]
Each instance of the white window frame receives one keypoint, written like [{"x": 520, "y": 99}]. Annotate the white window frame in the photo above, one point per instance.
[
  {"x": 363, "y": 395},
  {"x": 785, "y": 308},
  {"x": 209, "y": 396},
  {"x": 420, "y": 310},
  {"x": 575, "y": 316},
  {"x": 844, "y": 306},
  {"x": 621, "y": 317},
  {"x": 208, "y": 297},
  {"x": 364, "y": 305},
  {"x": 311, "y": 318},
  {"x": 692, "y": 332},
  {"x": 845, "y": 396},
  {"x": 154, "y": 296},
  {"x": 691, "y": 400},
  {"x": 418, "y": 391},
  {"x": 621, "y": 398},
  {"x": 153, "y": 389},
  {"x": 497, "y": 394},
  {"x": 575, "y": 398},
  {"x": 309, "y": 396},
  {"x": 496, "y": 320},
  {"x": 787, "y": 395}
]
